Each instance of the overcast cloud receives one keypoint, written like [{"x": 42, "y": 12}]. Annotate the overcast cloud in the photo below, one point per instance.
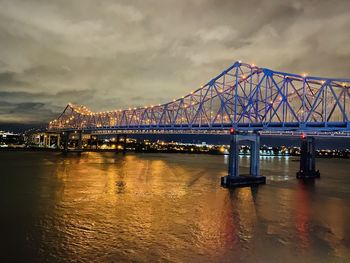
[{"x": 115, "y": 54}]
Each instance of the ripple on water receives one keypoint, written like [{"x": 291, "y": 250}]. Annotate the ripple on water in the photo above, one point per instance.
[{"x": 159, "y": 207}]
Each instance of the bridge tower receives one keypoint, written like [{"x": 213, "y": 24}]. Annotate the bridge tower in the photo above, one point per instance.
[
  {"x": 234, "y": 179},
  {"x": 307, "y": 159}
]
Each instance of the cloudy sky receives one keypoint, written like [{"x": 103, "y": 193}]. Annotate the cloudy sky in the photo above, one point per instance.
[{"x": 114, "y": 54}]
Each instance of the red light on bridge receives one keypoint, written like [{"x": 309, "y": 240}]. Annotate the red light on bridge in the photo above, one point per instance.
[
  {"x": 303, "y": 135},
  {"x": 232, "y": 131}
]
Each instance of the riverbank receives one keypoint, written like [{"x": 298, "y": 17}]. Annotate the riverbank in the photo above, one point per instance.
[{"x": 322, "y": 154}]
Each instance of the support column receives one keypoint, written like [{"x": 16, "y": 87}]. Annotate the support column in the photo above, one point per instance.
[
  {"x": 255, "y": 156},
  {"x": 45, "y": 140},
  {"x": 117, "y": 144},
  {"x": 96, "y": 142},
  {"x": 234, "y": 179},
  {"x": 66, "y": 140},
  {"x": 307, "y": 159},
  {"x": 124, "y": 145},
  {"x": 233, "y": 162},
  {"x": 58, "y": 140},
  {"x": 80, "y": 140}
]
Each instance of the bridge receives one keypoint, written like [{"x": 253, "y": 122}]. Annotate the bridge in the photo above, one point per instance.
[{"x": 246, "y": 101}]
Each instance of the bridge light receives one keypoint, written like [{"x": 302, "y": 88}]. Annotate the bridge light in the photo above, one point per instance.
[
  {"x": 232, "y": 130},
  {"x": 252, "y": 65},
  {"x": 304, "y": 75},
  {"x": 303, "y": 135}
]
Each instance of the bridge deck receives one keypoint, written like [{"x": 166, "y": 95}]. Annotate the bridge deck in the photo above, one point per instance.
[{"x": 243, "y": 96}]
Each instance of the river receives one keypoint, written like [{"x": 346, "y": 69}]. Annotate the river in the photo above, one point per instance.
[{"x": 103, "y": 207}]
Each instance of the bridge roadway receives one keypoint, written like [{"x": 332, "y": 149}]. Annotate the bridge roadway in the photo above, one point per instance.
[{"x": 245, "y": 100}]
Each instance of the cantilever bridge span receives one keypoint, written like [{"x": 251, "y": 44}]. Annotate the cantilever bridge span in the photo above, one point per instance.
[{"x": 243, "y": 96}]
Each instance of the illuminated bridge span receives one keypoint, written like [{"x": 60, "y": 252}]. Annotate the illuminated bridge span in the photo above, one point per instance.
[
  {"x": 244, "y": 99},
  {"x": 243, "y": 96}
]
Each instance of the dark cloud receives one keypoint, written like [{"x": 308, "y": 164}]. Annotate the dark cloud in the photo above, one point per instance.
[
  {"x": 115, "y": 54},
  {"x": 25, "y": 112},
  {"x": 9, "y": 79}
]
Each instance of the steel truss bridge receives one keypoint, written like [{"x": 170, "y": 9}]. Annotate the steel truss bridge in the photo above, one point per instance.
[{"x": 244, "y": 97}]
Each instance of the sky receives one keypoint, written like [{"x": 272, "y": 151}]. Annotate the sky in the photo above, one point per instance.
[{"x": 113, "y": 54}]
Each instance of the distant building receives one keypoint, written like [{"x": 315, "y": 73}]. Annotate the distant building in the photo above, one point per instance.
[{"x": 10, "y": 139}]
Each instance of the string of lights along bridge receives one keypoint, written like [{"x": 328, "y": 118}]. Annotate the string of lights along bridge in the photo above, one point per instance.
[
  {"x": 244, "y": 100},
  {"x": 243, "y": 96}
]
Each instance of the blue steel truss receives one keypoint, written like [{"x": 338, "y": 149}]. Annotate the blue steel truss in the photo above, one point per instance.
[{"x": 243, "y": 96}]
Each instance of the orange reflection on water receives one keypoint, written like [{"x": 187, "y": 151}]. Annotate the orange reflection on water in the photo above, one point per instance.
[
  {"x": 302, "y": 203},
  {"x": 172, "y": 208}
]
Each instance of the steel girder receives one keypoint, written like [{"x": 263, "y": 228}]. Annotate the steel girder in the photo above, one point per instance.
[{"x": 243, "y": 96}]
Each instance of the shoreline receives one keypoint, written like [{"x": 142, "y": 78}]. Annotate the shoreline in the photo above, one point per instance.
[{"x": 35, "y": 149}]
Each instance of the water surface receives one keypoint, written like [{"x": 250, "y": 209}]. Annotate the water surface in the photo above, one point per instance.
[{"x": 103, "y": 207}]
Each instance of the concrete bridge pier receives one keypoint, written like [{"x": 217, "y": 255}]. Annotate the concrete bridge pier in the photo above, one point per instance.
[
  {"x": 78, "y": 146},
  {"x": 117, "y": 149},
  {"x": 49, "y": 139},
  {"x": 44, "y": 140},
  {"x": 66, "y": 141},
  {"x": 96, "y": 142},
  {"x": 123, "y": 150},
  {"x": 80, "y": 140},
  {"x": 124, "y": 144},
  {"x": 59, "y": 141},
  {"x": 234, "y": 179},
  {"x": 307, "y": 159}
]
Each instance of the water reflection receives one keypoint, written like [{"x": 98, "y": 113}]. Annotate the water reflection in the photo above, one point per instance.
[
  {"x": 245, "y": 217},
  {"x": 105, "y": 207},
  {"x": 302, "y": 217}
]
